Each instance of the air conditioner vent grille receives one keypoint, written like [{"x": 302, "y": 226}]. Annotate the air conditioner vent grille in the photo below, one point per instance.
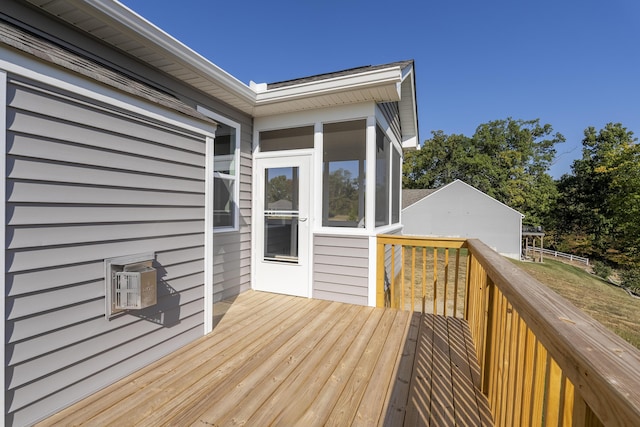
[{"x": 136, "y": 289}]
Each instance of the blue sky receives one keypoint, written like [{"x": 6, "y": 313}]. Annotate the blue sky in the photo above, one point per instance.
[{"x": 570, "y": 63}]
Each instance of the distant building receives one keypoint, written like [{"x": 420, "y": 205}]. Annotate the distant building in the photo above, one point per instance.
[{"x": 460, "y": 210}]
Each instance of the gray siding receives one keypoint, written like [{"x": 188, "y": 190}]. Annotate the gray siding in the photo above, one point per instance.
[
  {"x": 86, "y": 182},
  {"x": 341, "y": 268},
  {"x": 392, "y": 115},
  {"x": 229, "y": 247}
]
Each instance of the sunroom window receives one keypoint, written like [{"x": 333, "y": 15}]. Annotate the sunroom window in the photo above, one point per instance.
[
  {"x": 382, "y": 177},
  {"x": 396, "y": 185},
  {"x": 344, "y": 162},
  {"x": 286, "y": 139},
  {"x": 225, "y": 177}
]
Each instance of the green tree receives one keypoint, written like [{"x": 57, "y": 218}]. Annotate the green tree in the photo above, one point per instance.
[
  {"x": 279, "y": 188},
  {"x": 441, "y": 160},
  {"x": 343, "y": 195},
  {"x": 506, "y": 159},
  {"x": 599, "y": 204}
]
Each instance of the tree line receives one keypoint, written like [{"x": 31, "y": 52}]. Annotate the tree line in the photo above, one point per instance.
[{"x": 592, "y": 211}]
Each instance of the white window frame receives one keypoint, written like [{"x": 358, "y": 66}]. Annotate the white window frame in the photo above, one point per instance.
[
  {"x": 394, "y": 144},
  {"x": 236, "y": 161}
]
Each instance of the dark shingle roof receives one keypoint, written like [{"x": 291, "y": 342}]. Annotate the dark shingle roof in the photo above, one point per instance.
[
  {"x": 347, "y": 72},
  {"x": 409, "y": 197}
]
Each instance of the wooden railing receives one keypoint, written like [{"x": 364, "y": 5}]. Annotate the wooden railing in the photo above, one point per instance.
[{"x": 543, "y": 361}]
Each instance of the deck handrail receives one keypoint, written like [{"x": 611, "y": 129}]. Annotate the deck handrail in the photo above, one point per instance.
[
  {"x": 603, "y": 368},
  {"x": 527, "y": 337}
]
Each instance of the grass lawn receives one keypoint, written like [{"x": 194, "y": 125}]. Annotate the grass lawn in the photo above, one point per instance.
[{"x": 606, "y": 303}]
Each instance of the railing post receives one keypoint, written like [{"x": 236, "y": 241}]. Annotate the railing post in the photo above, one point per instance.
[{"x": 380, "y": 274}]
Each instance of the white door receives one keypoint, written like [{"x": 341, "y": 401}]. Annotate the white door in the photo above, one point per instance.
[{"x": 283, "y": 225}]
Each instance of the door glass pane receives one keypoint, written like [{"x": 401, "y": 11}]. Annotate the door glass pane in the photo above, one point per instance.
[{"x": 281, "y": 214}]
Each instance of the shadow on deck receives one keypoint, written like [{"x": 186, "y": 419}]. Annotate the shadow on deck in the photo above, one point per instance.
[{"x": 280, "y": 360}]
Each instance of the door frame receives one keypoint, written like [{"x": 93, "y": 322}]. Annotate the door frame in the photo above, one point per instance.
[{"x": 257, "y": 241}]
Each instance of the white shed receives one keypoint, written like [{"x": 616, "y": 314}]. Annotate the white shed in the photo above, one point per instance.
[{"x": 460, "y": 210}]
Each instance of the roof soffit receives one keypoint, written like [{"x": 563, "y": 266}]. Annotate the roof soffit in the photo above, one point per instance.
[
  {"x": 124, "y": 29},
  {"x": 381, "y": 85},
  {"x": 117, "y": 25}
]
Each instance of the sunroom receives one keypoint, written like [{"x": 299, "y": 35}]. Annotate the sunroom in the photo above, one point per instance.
[{"x": 327, "y": 179}]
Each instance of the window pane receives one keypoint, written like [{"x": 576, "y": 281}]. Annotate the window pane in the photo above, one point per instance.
[
  {"x": 344, "y": 162},
  {"x": 396, "y": 186},
  {"x": 382, "y": 178},
  {"x": 281, "y": 214},
  {"x": 223, "y": 203},
  {"x": 281, "y": 189},
  {"x": 224, "y": 150},
  {"x": 287, "y": 139}
]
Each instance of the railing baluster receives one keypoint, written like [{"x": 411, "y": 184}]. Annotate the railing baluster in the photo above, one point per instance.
[
  {"x": 511, "y": 374},
  {"x": 554, "y": 391},
  {"x": 455, "y": 284},
  {"x": 413, "y": 275},
  {"x": 538, "y": 390},
  {"x": 402, "y": 290},
  {"x": 393, "y": 276},
  {"x": 528, "y": 376},
  {"x": 446, "y": 280},
  {"x": 467, "y": 286},
  {"x": 435, "y": 281},
  {"x": 519, "y": 370},
  {"x": 424, "y": 278}
]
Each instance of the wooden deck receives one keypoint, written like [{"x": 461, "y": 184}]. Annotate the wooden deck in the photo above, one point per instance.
[{"x": 280, "y": 360}]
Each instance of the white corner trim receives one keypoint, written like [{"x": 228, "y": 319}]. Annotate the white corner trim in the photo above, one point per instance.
[
  {"x": 373, "y": 270},
  {"x": 370, "y": 174},
  {"x": 208, "y": 237}
]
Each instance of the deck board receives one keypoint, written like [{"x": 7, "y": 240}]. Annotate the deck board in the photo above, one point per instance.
[{"x": 281, "y": 360}]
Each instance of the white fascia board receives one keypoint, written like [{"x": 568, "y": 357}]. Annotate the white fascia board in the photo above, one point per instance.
[
  {"x": 410, "y": 143},
  {"x": 141, "y": 29},
  {"x": 409, "y": 113},
  {"x": 365, "y": 80}
]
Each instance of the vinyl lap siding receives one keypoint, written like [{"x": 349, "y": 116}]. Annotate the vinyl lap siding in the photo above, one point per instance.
[
  {"x": 86, "y": 182},
  {"x": 392, "y": 115},
  {"x": 341, "y": 268}
]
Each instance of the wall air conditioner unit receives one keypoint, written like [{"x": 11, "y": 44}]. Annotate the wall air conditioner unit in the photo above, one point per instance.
[
  {"x": 131, "y": 283},
  {"x": 135, "y": 287}
]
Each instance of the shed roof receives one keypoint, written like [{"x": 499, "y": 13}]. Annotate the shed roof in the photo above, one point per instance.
[
  {"x": 350, "y": 71},
  {"x": 416, "y": 197},
  {"x": 411, "y": 196}
]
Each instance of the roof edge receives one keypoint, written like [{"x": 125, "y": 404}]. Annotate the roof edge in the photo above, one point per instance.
[
  {"x": 306, "y": 88},
  {"x": 142, "y": 29}
]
